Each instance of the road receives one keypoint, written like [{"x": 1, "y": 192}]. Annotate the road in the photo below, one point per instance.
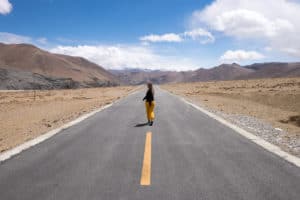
[{"x": 187, "y": 156}]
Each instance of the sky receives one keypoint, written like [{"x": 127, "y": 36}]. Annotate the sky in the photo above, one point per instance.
[{"x": 157, "y": 34}]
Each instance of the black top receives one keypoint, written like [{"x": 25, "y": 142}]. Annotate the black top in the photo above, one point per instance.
[{"x": 149, "y": 96}]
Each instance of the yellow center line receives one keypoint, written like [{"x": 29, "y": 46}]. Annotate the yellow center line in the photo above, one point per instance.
[{"x": 146, "y": 170}]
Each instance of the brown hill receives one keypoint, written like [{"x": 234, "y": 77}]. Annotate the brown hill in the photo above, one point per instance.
[
  {"x": 23, "y": 66},
  {"x": 273, "y": 70},
  {"x": 222, "y": 72},
  {"x": 28, "y": 58},
  {"x": 139, "y": 76}
]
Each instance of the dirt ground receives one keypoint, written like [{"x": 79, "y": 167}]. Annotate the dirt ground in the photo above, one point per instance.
[
  {"x": 28, "y": 114},
  {"x": 276, "y": 101}
]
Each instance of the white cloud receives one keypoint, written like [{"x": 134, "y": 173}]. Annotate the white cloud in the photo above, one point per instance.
[
  {"x": 275, "y": 22},
  {"x": 200, "y": 34},
  {"x": 245, "y": 23},
  {"x": 168, "y": 37},
  {"x": 111, "y": 56},
  {"x": 240, "y": 55},
  {"x": 10, "y": 38},
  {"x": 5, "y": 7},
  {"x": 127, "y": 56}
]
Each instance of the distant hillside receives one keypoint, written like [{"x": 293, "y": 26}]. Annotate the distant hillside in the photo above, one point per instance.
[
  {"x": 221, "y": 72},
  {"x": 139, "y": 76},
  {"x": 273, "y": 70},
  {"x": 13, "y": 79},
  {"x": 218, "y": 73},
  {"x": 27, "y": 62},
  {"x": 24, "y": 66}
]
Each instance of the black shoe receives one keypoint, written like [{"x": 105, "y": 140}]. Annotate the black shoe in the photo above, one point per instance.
[{"x": 151, "y": 123}]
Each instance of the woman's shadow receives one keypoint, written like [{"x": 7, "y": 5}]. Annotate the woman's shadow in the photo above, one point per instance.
[{"x": 142, "y": 124}]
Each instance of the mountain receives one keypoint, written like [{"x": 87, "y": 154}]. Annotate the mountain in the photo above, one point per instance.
[
  {"x": 42, "y": 69},
  {"x": 273, "y": 70},
  {"x": 13, "y": 79},
  {"x": 140, "y": 76},
  {"x": 222, "y": 72},
  {"x": 24, "y": 66}
]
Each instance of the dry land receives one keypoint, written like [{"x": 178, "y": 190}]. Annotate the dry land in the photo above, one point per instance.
[
  {"x": 269, "y": 108},
  {"x": 28, "y": 114}
]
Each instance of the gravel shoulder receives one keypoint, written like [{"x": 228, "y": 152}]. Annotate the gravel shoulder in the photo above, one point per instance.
[
  {"x": 268, "y": 108},
  {"x": 25, "y": 115}
]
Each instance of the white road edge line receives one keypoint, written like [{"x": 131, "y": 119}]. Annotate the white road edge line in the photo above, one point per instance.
[
  {"x": 259, "y": 141},
  {"x": 18, "y": 149}
]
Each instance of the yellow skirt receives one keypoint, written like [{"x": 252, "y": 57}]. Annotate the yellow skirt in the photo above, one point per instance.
[{"x": 150, "y": 110}]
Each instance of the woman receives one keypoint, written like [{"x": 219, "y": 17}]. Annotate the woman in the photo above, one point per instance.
[{"x": 149, "y": 104}]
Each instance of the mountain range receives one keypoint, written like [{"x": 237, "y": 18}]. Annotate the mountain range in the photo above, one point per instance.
[
  {"x": 222, "y": 72},
  {"x": 24, "y": 66}
]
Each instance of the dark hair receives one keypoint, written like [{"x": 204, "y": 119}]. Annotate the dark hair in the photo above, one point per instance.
[{"x": 150, "y": 87}]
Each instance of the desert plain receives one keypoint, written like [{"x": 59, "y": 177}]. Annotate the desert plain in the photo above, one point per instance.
[
  {"x": 25, "y": 115},
  {"x": 273, "y": 101}
]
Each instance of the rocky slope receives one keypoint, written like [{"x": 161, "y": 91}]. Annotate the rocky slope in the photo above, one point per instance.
[{"x": 36, "y": 68}]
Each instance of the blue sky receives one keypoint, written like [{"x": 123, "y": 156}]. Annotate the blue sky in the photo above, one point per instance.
[
  {"x": 157, "y": 34},
  {"x": 99, "y": 20}
]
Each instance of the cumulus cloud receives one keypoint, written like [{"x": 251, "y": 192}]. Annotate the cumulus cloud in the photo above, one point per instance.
[
  {"x": 126, "y": 56},
  {"x": 240, "y": 55},
  {"x": 168, "y": 37},
  {"x": 199, "y": 34},
  {"x": 276, "y": 23},
  {"x": 5, "y": 7},
  {"x": 111, "y": 56},
  {"x": 10, "y": 38}
]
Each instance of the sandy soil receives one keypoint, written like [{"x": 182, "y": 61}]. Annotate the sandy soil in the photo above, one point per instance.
[
  {"x": 28, "y": 114},
  {"x": 275, "y": 101}
]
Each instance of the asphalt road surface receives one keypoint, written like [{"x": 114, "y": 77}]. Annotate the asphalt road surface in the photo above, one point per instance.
[{"x": 184, "y": 155}]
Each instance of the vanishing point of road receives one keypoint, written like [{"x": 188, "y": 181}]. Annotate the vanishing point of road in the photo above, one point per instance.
[{"x": 185, "y": 155}]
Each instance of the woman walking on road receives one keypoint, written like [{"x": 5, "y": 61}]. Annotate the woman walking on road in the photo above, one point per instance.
[{"x": 150, "y": 103}]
